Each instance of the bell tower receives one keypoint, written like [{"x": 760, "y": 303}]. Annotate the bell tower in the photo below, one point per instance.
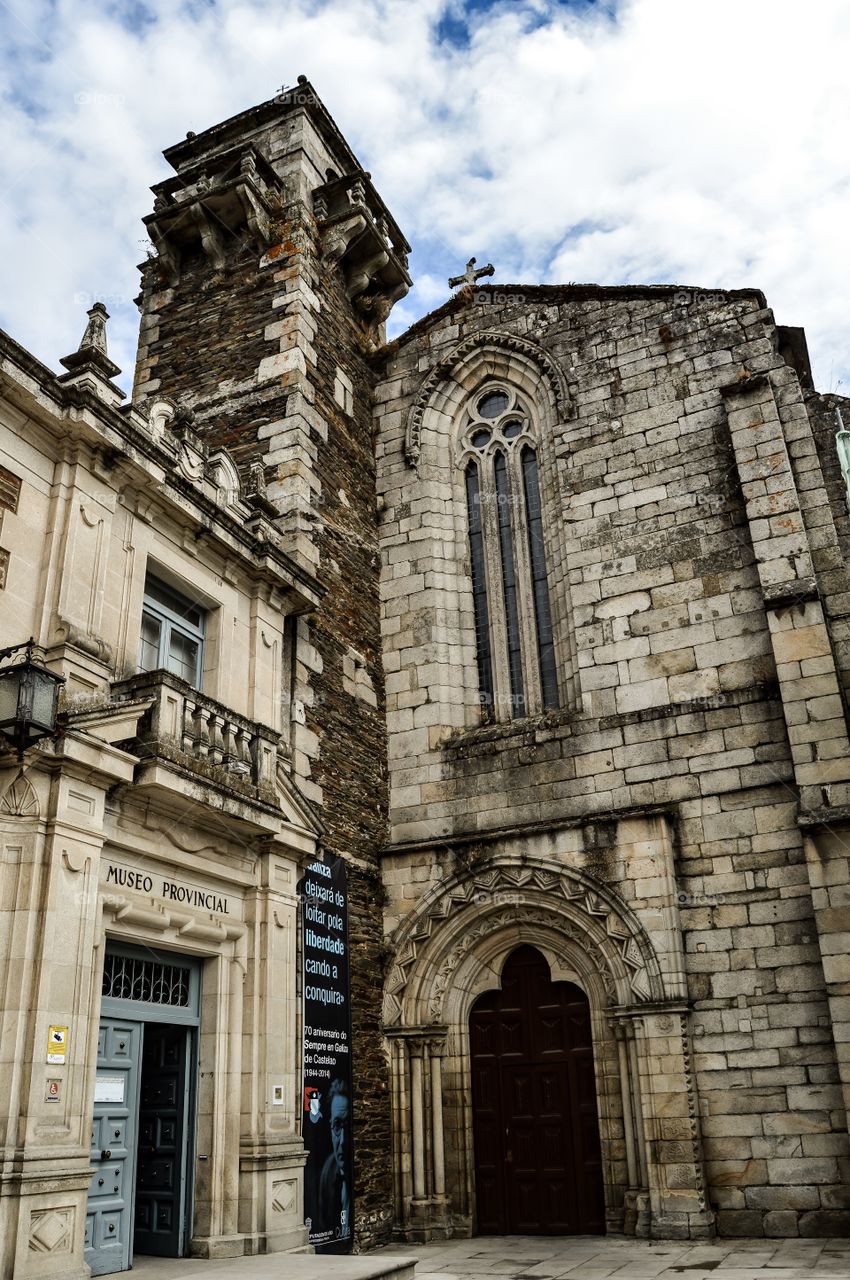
[
  {"x": 272, "y": 253},
  {"x": 274, "y": 265}
]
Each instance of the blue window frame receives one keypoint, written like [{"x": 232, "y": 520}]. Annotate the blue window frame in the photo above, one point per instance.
[{"x": 172, "y": 633}]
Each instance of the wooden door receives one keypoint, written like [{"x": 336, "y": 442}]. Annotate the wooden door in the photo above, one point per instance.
[
  {"x": 109, "y": 1217},
  {"x": 161, "y": 1201},
  {"x": 538, "y": 1165}
]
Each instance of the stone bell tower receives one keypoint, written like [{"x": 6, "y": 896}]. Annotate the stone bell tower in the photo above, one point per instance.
[{"x": 274, "y": 266}]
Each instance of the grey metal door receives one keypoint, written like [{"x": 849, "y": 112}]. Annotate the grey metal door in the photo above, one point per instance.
[{"x": 109, "y": 1220}]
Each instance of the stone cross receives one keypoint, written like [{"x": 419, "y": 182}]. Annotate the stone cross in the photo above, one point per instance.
[
  {"x": 842, "y": 447},
  {"x": 470, "y": 275}
]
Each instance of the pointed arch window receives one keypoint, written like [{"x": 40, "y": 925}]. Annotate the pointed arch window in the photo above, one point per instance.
[{"x": 514, "y": 639}]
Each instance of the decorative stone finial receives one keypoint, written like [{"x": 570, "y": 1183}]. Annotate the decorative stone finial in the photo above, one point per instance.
[
  {"x": 470, "y": 275},
  {"x": 94, "y": 338},
  {"x": 92, "y": 353}
]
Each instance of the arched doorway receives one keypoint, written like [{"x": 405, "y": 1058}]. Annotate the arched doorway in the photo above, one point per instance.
[{"x": 538, "y": 1164}]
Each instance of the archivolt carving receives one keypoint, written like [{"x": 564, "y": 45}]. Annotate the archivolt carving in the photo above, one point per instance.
[
  {"x": 552, "y": 379},
  {"x": 443, "y": 980},
  {"x": 472, "y": 904}
]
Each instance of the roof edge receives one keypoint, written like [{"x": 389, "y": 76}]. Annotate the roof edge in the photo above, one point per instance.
[{"x": 550, "y": 292}]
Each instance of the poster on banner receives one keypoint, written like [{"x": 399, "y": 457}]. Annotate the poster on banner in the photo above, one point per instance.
[{"x": 326, "y": 1075}]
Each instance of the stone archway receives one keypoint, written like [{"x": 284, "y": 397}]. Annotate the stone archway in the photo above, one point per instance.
[{"x": 451, "y": 950}]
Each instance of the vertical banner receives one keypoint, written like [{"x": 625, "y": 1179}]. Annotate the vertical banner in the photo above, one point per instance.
[{"x": 326, "y": 1117}]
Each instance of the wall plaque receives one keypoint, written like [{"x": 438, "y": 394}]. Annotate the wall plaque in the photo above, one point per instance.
[{"x": 109, "y": 1088}]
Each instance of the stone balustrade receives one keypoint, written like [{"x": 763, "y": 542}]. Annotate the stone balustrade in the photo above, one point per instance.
[{"x": 201, "y": 734}]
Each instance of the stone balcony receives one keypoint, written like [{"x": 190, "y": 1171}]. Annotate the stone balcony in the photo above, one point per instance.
[{"x": 184, "y": 728}]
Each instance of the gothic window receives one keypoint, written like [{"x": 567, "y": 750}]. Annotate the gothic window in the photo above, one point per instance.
[{"x": 514, "y": 641}]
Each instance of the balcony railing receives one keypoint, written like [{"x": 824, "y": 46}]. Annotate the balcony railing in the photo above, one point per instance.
[{"x": 202, "y": 735}]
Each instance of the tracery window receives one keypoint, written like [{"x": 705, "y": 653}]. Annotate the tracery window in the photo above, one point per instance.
[{"x": 514, "y": 641}]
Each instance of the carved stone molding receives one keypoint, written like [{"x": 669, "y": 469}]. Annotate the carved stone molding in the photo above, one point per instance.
[
  {"x": 360, "y": 237},
  {"x": 284, "y": 1194},
  {"x": 232, "y": 199},
  {"x": 19, "y": 800},
  {"x": 51, "y": 1230},
  {"x": 76, "y": 635},
  {"x": 512, "y": 892},
  {"x": 551, "y": 376},
  {"x": 339, "y": 236},
  {"x": 74, "y": 860}
]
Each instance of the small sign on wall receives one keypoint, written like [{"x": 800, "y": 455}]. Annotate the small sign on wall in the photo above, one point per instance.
[
  {"x": 53, "y": 1091},
  {"x": 109, "y": 1088},
  {"x": 57, "y": 1045}
]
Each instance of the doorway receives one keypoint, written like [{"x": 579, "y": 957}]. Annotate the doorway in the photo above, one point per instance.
[
  {"x": 161, "y": 1173},
  {"x": 538, "y": 1164},
  {"x": 140, "y": 1196}
]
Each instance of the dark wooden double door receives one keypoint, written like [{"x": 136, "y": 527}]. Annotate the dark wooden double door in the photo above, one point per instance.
[{"x": 538, "y": 1166}]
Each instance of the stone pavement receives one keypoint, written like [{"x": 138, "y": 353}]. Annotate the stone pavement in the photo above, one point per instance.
[
  {"x": 395, "y": 1264},
  {"x": 537, "y": 1258},
  {"x": 621, "y": 1258}
]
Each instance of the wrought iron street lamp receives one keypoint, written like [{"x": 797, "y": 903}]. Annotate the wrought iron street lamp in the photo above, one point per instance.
[{"x": 29, "y": 697}]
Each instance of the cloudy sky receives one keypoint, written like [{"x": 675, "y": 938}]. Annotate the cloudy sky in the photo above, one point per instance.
[{"x": 701, "y": 142}]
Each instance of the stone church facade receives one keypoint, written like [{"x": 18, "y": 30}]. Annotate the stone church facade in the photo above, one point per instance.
[{"x": 538, "y": 617}]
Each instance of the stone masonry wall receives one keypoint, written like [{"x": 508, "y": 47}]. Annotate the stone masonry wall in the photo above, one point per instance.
[
  {"x": 836, "y": 589},
  {"x": 253, "y": 348},
  {"x": 690, "y": 545}
]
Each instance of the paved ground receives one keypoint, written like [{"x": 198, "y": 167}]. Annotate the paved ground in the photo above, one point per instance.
[
  {"x": 598, "y": 1258},
  {"x": 538, "y": 1258}
]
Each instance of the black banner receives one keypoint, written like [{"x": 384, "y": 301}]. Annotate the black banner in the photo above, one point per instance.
[{"x": 326, "y": 1120}]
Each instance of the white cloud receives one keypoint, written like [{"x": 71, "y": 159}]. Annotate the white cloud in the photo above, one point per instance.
[{"x": 701, "y": 142}]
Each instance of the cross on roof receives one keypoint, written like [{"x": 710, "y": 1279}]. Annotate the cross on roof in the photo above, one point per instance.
[{"x": 471, "y": 275}]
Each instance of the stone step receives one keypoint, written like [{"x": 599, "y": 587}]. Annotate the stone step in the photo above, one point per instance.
[{"x": 279, "y": 1266}]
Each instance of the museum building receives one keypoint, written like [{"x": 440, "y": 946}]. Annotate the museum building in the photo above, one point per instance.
[{"x": 537, "y": 616}]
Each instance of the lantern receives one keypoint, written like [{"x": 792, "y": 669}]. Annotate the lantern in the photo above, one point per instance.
[{"x": 29, "y": 697}]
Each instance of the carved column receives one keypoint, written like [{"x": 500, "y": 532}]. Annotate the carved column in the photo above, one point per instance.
[
  {"x": 628, "y": 1117},
  {"x": 634, "y": 1075},
  {"x": 636, "y": 1220},
  {"x": 669, "y": 1142},
  {"x": 437, "y": 1139},
  {"x": 420, "y": 1173},
  {"x": 416, "y": 1051}
]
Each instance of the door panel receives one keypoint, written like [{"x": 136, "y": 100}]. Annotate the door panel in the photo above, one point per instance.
[
  {"x": 538, "y": 1166},
  {"x": 161, "y": 1179},
  {"x": 109, "y": 1217}
]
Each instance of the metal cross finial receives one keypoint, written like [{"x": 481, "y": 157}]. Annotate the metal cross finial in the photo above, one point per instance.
[{"x": 471, "y": 275}]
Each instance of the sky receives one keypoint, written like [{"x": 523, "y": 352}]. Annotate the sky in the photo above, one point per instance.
[{"x": 697, "y": 142}]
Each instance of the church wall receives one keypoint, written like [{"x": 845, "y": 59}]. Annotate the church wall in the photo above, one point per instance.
[
  {"x": 824, "y": 412},
  {"x": 675, "y": 702}
]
